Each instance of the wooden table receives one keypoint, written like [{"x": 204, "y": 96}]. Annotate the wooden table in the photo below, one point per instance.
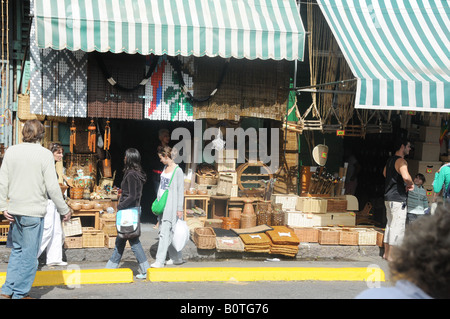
[
  {"x": 204, "y": 198},
  {"x": 89, "y": 212}
]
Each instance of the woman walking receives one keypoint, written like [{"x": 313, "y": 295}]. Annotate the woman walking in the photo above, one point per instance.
[
  {"x": 53, "y": 236},
  {"x": 133, "y": 181},
  {"x": 173, "y": 209}
]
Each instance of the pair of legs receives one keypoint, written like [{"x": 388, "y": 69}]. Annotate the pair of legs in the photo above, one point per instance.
[
  {"x": 137, "y": 249},
  {"x": 395, "y": 226},
  {"x": 23, "y": 263},
  {"x": 165, "y": 245}
]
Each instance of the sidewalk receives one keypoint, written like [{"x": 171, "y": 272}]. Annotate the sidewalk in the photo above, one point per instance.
[{"x": 313, "y": 262}]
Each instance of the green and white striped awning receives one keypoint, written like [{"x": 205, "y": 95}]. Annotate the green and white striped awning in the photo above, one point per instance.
[
  {"x": 399, "y": 50},
  {"x": 264, "y": 29}
]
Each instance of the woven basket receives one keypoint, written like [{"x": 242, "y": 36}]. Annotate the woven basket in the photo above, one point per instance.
[
  {"x": 328, "y": 236},
  {"x": 248, "y": 221},
  {"x": 348, "y": 237},
  {"x": 367, "y": 237},
  {"x": 72, "y": 227},
  {"x": 229, "y": 223},
  {"x": 234, "y": 212},
  {"x": 213, "y": 223},
  {"x": 23, "y": 108},
  {"x": 206, "y": 179},
  {"x": 76, "y": 192},
  {"x": 278, "y": 218},
  {"x": 205, "y": 238},
  {"x": 307, "y": 234}
]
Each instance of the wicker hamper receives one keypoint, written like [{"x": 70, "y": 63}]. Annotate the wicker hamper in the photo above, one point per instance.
[
  {"x": 73, "y": 242},
  {"x": 205, "y": 238},
  {"x": 72, "y": 227},
  {"x": 307, "y": 234},
  {"x": 93, "y": 238},
  {"x": 328, "y": 236},
  {"x": 348, "y": 237}
]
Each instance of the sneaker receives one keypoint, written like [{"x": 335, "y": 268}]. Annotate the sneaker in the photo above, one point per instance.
[
  {"x": 62, "y": 263},
  {"x": 157, "y": 265},
  {"x": 178, "y": 262},
  {"x": 141, "y": 276}
]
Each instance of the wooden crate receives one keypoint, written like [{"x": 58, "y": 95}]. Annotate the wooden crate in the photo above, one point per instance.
[
  {"x": 211, "y": 189},
  {"x": 73, "y": 242},
  {"x": 307, "y": 234},
  {"x": 93, "y": 238}
]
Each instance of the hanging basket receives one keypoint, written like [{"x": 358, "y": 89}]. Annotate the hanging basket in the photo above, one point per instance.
[{"x": 23, "y": 109}]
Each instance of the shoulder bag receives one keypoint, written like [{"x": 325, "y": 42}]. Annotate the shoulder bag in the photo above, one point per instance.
[{"x": 128, "y": 223}]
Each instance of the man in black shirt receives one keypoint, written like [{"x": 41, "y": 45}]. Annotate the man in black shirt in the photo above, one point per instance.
[{"x": 398, "y": 183}]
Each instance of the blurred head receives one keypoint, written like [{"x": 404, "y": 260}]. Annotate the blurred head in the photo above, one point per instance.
[
  {"x": 33, "y": 131},
  {"x": 164, "y": 136},
  {"x": 424, "y": 256},
  {"x": 403, "y": 145},
  {"x": 57, "y": 151}
]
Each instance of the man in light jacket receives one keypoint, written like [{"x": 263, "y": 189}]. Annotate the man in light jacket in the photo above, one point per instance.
[{"x": 27, "y": 179}]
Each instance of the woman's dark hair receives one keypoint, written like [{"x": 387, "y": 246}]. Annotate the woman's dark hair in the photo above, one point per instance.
[
  {"x": 133, "y": 161},
  {"x": 424, "y": 256},
  {"x": 53, "y": 147}
]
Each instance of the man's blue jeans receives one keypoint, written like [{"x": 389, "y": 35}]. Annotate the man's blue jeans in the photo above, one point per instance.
[{"x": 23, "y": 261}]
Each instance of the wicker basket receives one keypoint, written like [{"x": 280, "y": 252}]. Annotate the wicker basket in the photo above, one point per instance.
[
  {"x": 328, "y": 236},
  {"x": 234, "y": 212},
  {"x": 307, "y": 234},
  {"x": 278, "y": 218},
  {"x": 72, "y": 227},
  {"x": 4, "y": 229},
  {"x": 367, "y": 237},
  {"x": 229, "y": 223},
  {"x": 205, "y": 238},
  {"x": 73, "y": 242},
  {"x": 248, "y": 221},
  {"x": 213, "y": 223},
  {"x": 207, "y": 179},
  {"x": 348, "y": 237},
  {"x": 76, "y": 192},
  {"x": 23, "y": 109},
  {"x": 264, "y": 218},
  {"x": 93, "y": 238}
]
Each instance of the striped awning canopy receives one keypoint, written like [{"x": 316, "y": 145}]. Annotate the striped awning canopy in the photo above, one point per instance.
[
  {"x": 264, "y": 29},
  {"x": 399, "y": 50}
]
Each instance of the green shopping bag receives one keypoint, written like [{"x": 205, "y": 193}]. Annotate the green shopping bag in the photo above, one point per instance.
[{"x": 159, "y": 205}]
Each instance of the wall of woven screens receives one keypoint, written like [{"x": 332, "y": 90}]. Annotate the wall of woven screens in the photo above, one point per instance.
[{"x": 250, "y": 88}]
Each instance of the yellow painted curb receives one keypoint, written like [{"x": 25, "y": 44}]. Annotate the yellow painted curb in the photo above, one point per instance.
[
  {"x": 265, "y": 274},
  {"x": 76, "y": 277}
]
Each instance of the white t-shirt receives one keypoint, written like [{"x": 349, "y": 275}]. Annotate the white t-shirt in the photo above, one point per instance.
[{"x": 164, "y": 183}]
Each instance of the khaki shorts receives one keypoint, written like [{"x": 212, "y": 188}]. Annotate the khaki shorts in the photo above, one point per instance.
[{"x": 396, "y": 220}]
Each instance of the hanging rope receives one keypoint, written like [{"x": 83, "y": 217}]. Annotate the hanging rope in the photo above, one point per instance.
[
  {"x": 118, "y": 86},
  {"x": 177, "y": 66}
]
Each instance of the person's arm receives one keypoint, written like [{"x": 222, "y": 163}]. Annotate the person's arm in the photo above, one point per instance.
[
  {"x": 438, "y": 182},
  {"x": 403, "y": 171},
  {"x": 131, "y": 192},
  {"x": 180, "y": 192},
  {"x": 4, "y": 181}
]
